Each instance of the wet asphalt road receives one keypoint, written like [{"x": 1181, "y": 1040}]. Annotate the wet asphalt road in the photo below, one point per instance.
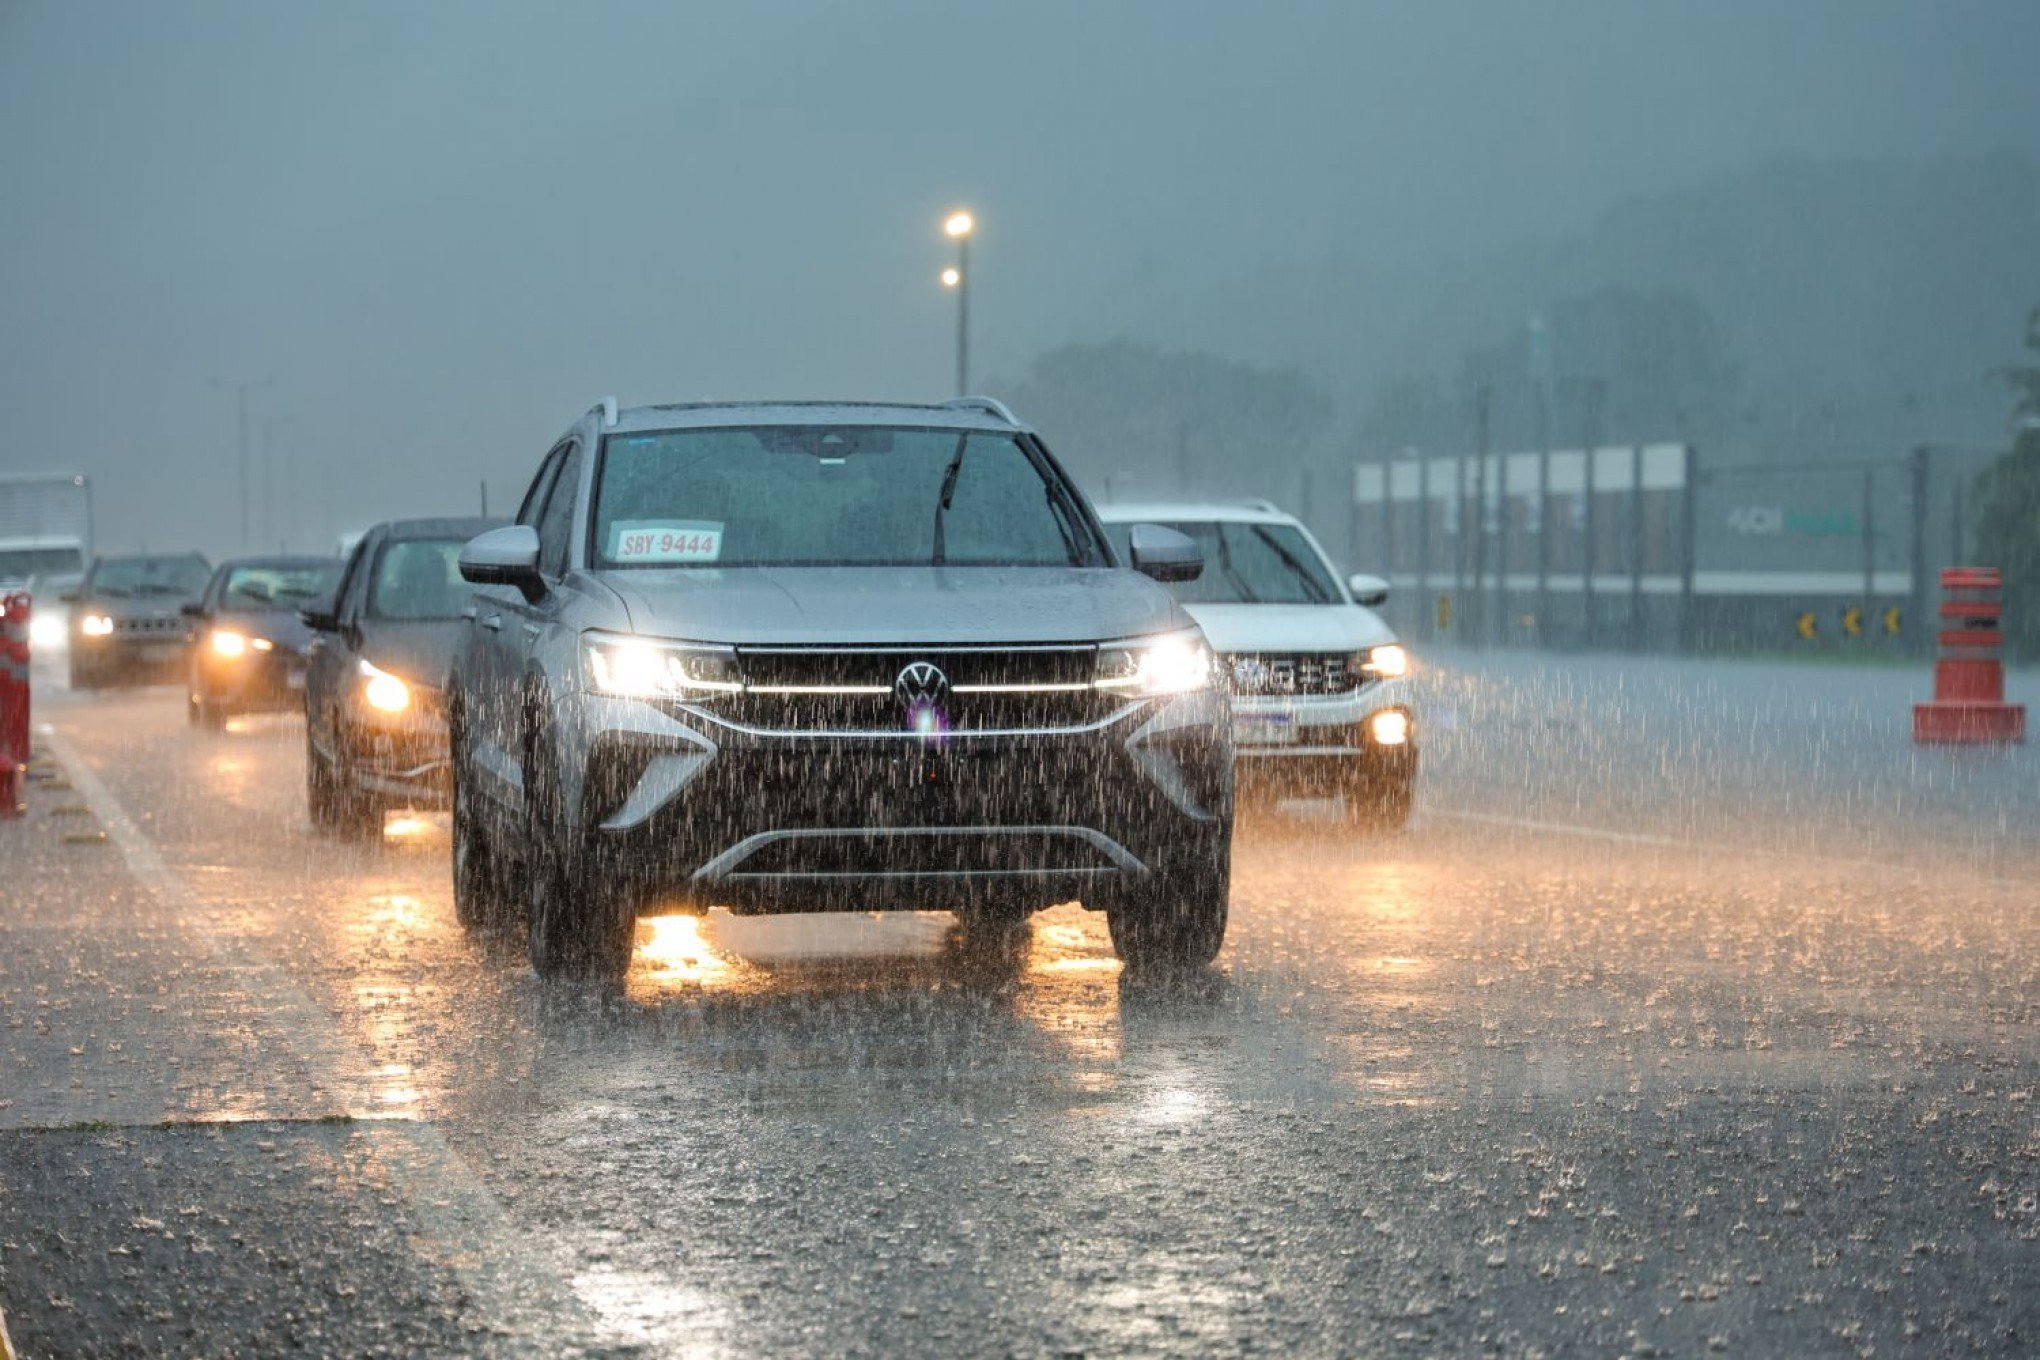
[{"x": 1696, "y": 1015}]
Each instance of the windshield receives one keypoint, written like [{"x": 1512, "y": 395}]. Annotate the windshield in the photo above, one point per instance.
[
  {"x": 419, "y": 578},
  {"x": 283, "y": 586},
  {"x": 1248, "y": 564},
  {"x": 150, "y": 576},
  {"x": 19, "y": 564},
  {"x": 810, "y": 495}
]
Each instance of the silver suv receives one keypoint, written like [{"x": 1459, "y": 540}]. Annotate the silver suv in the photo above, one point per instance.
[{"x": 805, "y": 657}]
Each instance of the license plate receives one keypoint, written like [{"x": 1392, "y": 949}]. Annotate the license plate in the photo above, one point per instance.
[
  {"x": 1273, "y": 731},
  {"x": 161, "y": 651}
]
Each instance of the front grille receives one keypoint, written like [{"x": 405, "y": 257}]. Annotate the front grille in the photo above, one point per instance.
[
  {"x": 166, "y": 625},
  {"x": 855, "y": 689},
  {"x": 1291, "y": 673}
]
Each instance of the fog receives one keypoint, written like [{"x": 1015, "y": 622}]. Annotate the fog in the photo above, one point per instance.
[{"x": 429, "y": 236}]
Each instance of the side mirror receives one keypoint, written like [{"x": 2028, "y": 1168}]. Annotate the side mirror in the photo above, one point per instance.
[
  {"x": 1164, "y": 554},
  {"x": 321, "y": 615},
  {"x": 505, "y": 557},
  {"x": 191, "y": 609},
  {"x": 1367, "y": 590}
]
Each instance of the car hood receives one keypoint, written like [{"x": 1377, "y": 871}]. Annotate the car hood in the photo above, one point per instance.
[
  {"x": 1291, "y": 627},
  {"x": 820, "y": 606},
  {"x": 157, "y": 607},
  {"x": 280, "y": 626},
  {"x": 416, "y": 652}
]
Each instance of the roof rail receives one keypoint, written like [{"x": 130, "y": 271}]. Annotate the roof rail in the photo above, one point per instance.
[
  {"x": 989, "y": 405},
  {"x": 1260, "y": 503},
  {"x": 609, "y": 413}
]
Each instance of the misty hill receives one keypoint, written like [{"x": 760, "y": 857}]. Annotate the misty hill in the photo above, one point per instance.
[{"x": 1863, "y": 304}]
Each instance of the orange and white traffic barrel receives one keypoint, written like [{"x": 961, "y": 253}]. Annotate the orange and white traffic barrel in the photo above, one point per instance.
[
  {"x": 14, "y": 614},
  {"x": 1969, "y": 674}
]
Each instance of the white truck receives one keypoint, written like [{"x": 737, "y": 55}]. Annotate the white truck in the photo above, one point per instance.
[{"x": 45, "y": 526}]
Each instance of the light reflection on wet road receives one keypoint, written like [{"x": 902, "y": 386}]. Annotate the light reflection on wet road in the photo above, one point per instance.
[{"x": 1475, "y": 1087}]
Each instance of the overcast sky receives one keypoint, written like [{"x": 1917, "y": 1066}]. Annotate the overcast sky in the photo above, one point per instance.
[{"x": 442, "y": 230}]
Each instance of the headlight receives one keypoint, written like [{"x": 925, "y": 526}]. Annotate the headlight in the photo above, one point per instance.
[
  {"x": 641, "y": 669},
  {"x": 1386, "y": 662},
  {"x": 384, "y": 692},
  {"x": 228, "y": 643},
  {"x": 1178, "y": 663},
  {"x": 45, "y": 630},
  {"x": 95, "y": 625}
]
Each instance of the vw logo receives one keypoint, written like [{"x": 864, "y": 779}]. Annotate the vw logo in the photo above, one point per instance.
[
  {"x": 922, "y": 691},
  {"x": 921, "y": 683},
  {"x": 1251, "y": 673}
]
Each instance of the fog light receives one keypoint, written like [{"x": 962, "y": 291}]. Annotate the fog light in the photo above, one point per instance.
[{"x": 1390, "y": 727}]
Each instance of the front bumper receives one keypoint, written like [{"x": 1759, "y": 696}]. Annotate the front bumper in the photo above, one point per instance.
[
  {"x": 682, "y": 804},
  {"x": 273, "y": 680},
  {"x": 405, "y": 760},
  {"x": 128, "y": 654},
  {"x": 1323, "y": 744}
]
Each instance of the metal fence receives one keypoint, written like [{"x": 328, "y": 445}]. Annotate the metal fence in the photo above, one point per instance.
[{"x": 1647, "y": 547}]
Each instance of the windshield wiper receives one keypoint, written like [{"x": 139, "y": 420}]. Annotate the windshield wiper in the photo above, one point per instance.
[
  {"x": 1225, "y": 562},
  {"x": 1311, "y": 584},
  {"x": 948, "y": 494},
  {"x": 1060, "y": 515}
]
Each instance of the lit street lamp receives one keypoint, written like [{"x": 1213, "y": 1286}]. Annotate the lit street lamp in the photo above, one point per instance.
[{"x": 959, "y": 227}]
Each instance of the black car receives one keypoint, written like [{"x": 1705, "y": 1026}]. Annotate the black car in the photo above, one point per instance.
[
  {"x": 126, "y": 620},
  {"x": 375, "y": 724},
  {"x": 248, "y": 646}
]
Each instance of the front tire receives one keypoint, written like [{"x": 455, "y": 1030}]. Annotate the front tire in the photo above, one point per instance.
[
  {"x": 335, "y": 808},
  {"x": 484, "y": 888},
  {"x": 1175, "y": 920},
  {"x": 580, "y": 919}
]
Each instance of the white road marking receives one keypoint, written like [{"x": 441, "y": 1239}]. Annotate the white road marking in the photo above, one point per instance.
[{"x": 465, "y": 1228}]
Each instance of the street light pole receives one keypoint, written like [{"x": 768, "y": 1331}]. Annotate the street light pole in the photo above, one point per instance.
[
  {"x": 959, "y": 227},
  {"x": 963, "y": 316},
  {"x": 241, "y": 438},
  {"x": 242, "y": 387}
]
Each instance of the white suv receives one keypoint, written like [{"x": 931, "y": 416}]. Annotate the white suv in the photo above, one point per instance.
[{"x": 1320, "y": 686}]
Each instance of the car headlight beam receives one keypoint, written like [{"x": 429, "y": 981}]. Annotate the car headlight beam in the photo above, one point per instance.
[
  {"x": 96, "y": 625},
  {"x": 1177, "y": 663},
  {"x": 1391, "y": 661},
  {"x": 229, "y": 644},
  {"x": 639, "y": 668},
  {"x": 1389, "y": 727},
  {"x": 384, "y": 692}
]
